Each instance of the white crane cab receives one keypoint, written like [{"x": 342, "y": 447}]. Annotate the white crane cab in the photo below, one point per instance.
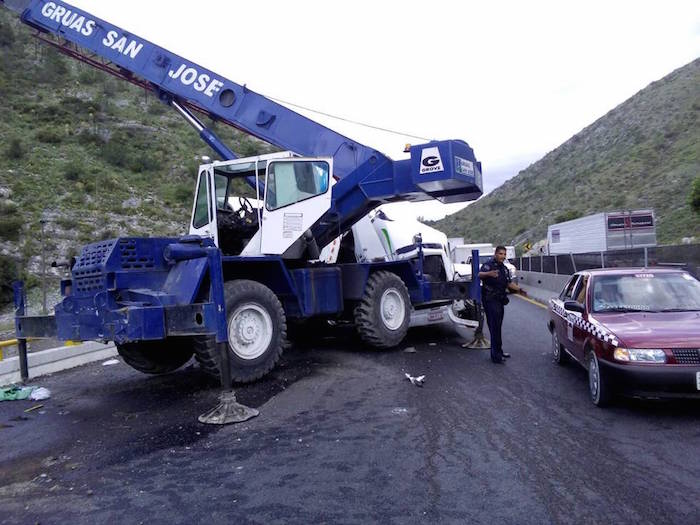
[{"x": 288, "y": 195}]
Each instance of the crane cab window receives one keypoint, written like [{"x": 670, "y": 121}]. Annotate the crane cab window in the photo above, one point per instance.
[
  {"x": 290, "y": 182},
  {"x": 221, "y": 185},
  {"x": 237, "y": 208},
  {"x": 201, "y": 213}
]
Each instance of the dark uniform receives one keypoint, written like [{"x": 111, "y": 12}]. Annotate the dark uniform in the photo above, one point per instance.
[{"x": 494, "y": 298}]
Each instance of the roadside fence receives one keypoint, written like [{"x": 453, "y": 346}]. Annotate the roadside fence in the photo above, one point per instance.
[{"x": 685, "y": 256}]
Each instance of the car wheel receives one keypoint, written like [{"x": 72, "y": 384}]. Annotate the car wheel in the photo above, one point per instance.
[
  {"x": 598, "y": 385},
  {"x": 558, "y": 353}
]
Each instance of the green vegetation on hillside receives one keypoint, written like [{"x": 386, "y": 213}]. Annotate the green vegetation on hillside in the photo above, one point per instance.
[
  {"x": 90, "y": 154},
  {"x": 694, "y": 198},
  {"x": 643, "y": 154}
]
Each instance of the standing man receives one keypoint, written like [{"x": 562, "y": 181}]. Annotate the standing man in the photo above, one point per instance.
[{"x": 496, "y": 281}]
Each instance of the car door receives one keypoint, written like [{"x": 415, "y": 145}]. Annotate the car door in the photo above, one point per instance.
[
  {"x": 578, "y": 332},
  {"x": 562, "y": 324}
]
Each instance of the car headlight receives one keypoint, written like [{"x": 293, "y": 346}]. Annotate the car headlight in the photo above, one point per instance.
[{"x": 640, "y": 355}]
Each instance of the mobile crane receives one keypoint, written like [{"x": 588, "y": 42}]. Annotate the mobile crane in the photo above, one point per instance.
[{"x": 245, "y": 270}]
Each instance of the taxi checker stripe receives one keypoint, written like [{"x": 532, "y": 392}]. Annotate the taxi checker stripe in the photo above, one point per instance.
[{"x": 598, "y": 331}]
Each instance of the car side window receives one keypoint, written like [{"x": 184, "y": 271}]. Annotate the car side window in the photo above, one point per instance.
[
  {"x": 568, "y": 290},
  {"x": 581, "y": 293}
]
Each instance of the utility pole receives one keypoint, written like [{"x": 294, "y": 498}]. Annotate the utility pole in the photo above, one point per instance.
[{"x": 43, "y": 268}]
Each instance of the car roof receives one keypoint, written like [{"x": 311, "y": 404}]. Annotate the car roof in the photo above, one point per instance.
[{"x": 629, "y": 271}]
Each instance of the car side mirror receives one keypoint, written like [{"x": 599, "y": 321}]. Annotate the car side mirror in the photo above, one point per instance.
[{"x": 574, "y": 306}]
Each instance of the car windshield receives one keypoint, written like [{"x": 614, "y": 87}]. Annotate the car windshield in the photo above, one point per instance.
[{"x": 646, "y": 292}]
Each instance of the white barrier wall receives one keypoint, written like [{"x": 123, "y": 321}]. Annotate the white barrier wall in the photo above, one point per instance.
[{"x": 542, "y": 286}]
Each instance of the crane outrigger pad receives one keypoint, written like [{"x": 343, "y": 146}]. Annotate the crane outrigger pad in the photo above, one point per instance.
[{"x": 229, "y": 410}]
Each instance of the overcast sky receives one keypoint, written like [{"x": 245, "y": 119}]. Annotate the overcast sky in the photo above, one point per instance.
[{"x": 513, "y": 79}]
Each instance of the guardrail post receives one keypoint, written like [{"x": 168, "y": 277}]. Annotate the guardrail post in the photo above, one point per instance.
[
  {"x": 573, "y": 263},
  {"x": 602, "y": 260},
  {"x": 556, "y": 266},
  {"x": 646, "y": 257},
  {"x": 43, "y": 269},
  {"x": 19, "y": 299},
  {"x": 529, "y": 263}
]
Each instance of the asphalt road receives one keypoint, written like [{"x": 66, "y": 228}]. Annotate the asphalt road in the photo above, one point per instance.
[{"x": 343, "y": 437}]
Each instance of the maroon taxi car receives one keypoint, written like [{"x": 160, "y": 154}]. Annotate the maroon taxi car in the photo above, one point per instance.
[{"x": 636, "y": 330}]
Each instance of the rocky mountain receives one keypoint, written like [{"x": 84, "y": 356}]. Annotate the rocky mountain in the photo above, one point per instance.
[
  {"x": 90, "y": 155},
  {"x": 645, "y": 153}
]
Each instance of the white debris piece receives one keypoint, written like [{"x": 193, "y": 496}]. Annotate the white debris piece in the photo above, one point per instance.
[
  {"x": 111, "y": 362},
  {"x": 40, "y": 393},
  {"x": 418, "y": 381}
]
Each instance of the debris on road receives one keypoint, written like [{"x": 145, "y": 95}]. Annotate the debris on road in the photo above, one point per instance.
[
  {"x": 111, "y": 362},
  {"x": 33, "y": 393},
  {"x": 15, "y": 393},
  {"x": 39, "y": 394},
  {"x": 410, "y": 350},
  {"x": 35, "y": 407},
  {"x": 418, "y": 381}
]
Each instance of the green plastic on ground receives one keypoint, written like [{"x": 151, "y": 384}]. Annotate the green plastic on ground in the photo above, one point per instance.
[{"x": 15, "y": 392}]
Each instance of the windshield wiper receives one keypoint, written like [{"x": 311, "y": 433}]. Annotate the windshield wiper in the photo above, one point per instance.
[
  {"x": 679, "y": 310},
  {"x": 622, "y": 309}
]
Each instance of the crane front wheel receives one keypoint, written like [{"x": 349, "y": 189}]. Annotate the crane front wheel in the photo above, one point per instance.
[{"x": 384, "y": 312}]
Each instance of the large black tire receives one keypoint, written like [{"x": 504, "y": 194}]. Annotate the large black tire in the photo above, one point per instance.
[
  {"x": 257, "y": 330},
  {"x": 383, "y": 329},
  {"x": 599, "y": 387},
  {"x": 157, "y": 357}
]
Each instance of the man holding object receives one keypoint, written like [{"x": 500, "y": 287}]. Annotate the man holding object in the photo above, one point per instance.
[{"x": 496, "y": 281}]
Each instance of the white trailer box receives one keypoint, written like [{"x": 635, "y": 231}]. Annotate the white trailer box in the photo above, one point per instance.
[
  {"x": 454, "y": 241},
  {"x": 462, "y": 254},
  {"x": 615, "y": 230}
]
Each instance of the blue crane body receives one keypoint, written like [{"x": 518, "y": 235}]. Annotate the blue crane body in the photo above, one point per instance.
[{"x": 161, "y": 299}]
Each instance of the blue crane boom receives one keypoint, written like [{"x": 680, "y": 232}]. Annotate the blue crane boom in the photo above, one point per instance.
[{"x": 171, "y": 76}]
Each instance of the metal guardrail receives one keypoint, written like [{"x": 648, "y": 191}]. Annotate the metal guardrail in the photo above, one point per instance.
[{"x": 9, "y": 342}]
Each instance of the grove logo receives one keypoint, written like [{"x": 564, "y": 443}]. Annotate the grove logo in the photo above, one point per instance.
[{"x": 430, "y": 160}]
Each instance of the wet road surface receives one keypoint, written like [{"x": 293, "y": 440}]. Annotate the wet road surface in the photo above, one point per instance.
[{"x": 343, "y": 437}]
